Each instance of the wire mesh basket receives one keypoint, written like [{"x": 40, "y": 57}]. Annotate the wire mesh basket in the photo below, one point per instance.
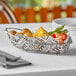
[{"x": 44, "y": 44}]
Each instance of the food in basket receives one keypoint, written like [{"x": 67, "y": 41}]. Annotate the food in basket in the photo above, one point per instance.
[
  {"x": 27, "y": 32},
  {"x": 13, "y": 32},
  {"x": 60, "y": 34},
  {"x": 60, "y": 37},
  {"x": 20, "y": 33},
  {"x": 40, "y": 32},
  {"x": 56, "y": 41}
]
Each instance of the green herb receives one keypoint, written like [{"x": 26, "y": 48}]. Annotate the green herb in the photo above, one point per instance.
[
  {"x": 59, "y": 30},
  {"x": 64, "y": 31}
]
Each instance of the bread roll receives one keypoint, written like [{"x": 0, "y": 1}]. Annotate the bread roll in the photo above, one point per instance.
[
  {"x": 27, "y": 32},
  {"x": 20, "y": 33},
  {"x": 13, "y": 32}
]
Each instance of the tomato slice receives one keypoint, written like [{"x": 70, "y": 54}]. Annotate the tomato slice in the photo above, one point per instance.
[
  {"x": 57, "y": 35},
  {"x": 60, "y": 37},
  {"x": 60, "y": 40},
  {"x": 64, "y": 36},
  {"x": 53, "y": 35}
]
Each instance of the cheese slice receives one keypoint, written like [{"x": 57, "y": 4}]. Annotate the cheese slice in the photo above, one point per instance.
[{"x": 40, "y": 32}]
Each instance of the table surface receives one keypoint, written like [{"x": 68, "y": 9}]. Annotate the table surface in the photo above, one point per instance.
[{"x": 42, "y": 63}]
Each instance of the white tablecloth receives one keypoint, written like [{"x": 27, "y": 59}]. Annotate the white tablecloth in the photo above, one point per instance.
[{"x": 43, "y": 65}]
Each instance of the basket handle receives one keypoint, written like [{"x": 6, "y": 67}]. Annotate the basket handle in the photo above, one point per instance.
[{"x": 6, "y": 29}]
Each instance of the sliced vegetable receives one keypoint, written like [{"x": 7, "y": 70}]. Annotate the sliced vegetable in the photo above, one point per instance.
[
  {"x": 57, "y": 35},
  {"x": 64, "y": 36},
  {"x": 60, "y": 37},
  {"x": 64, "y": 31},
  {"x": 53, "y": 35},
  {"x": 57, "y": 30}
]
